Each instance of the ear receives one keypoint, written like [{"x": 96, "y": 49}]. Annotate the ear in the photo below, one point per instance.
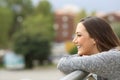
[{"x": 94, "y": 41}]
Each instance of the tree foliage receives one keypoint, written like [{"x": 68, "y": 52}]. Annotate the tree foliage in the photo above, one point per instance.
[
  {"x": 33, "y": 40},
  {"x": 12, "y": 13},
  {"x": 44, "y": 7},
  {"x": 21, "y": 7},
  {"x": 41, "y": 22},
  {"x": 38, "y": 24},
  {"x": 116, "y": 28},
  {"x": 32, "y": 48},
  {"x": 6, "y": 20},
  {"x": 73, "y": 50}
]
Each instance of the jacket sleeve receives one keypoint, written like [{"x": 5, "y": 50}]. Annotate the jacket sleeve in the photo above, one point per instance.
[{"x": 100, "y": 64}]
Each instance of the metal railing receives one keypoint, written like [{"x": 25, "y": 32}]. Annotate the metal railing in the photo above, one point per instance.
[{"x": 76, "y": 75}]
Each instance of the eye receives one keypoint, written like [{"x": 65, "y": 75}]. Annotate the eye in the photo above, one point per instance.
[{"x": 79, "y": 35}]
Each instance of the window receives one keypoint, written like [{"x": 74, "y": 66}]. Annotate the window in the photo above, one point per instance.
[
  {"x": 65, "y": 26},
  {"x": 65, "y": 33},
  {"x": 64, "y": 18}
]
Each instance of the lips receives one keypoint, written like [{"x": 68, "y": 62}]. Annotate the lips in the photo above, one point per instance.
[
  {"x": 78, "y": 47},
  {"x": 79, "y": 50}
]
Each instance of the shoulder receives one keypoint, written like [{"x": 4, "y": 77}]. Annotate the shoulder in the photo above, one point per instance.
[{"x": 111, "y": 52}]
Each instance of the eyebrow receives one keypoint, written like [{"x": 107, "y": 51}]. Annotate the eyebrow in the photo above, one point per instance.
[{"x": 77, "y": 32}]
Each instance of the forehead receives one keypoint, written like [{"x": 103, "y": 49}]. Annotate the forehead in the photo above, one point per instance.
[{"x": 80, "y": 28}]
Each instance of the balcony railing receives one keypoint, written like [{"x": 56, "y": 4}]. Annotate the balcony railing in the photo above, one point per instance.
[{"x": 76, "y": 75}]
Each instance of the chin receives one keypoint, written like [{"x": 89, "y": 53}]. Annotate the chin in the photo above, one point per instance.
[{"x": 80, "y": 54}]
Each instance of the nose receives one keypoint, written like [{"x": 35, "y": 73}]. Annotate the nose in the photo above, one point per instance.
[{"x": 75, "y": 40}]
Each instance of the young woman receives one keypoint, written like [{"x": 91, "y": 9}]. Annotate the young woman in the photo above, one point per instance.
[{"x": 98, "y": 50}]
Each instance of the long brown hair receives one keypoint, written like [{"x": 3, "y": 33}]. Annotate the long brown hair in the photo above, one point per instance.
[{"x": 102, "y": 32}]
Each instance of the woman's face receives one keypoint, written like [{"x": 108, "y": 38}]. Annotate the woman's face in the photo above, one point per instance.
[{"x": 85, "y": 44}]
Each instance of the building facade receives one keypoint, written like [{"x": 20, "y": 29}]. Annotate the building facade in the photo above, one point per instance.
[{"x": 64, "y": 26}]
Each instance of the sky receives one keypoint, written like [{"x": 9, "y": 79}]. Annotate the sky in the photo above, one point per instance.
[{"x": 89, "y": 5}]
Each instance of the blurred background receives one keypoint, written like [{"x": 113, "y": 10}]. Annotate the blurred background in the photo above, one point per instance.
[{"x": 35, "y": 34}]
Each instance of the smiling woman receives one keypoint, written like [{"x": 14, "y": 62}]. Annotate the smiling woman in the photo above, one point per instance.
[{"x": 98, "y": 50}]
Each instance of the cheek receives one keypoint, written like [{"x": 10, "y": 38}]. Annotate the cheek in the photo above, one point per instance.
[
  {"x": 86, "y": 46},
  {"x": 81, "y": 41}
]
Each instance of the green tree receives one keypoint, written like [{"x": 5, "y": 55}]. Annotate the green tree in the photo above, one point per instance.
[
  {"x": 41, "y": 22},
  {"x": 6, "y": 20},
  {"x": 93, "y": 13},
  {"x": 73, "y": 50},
  {"x": 20, "y": 9},
  {"x": 41, "y": 25},
  {"x": 116, "y": 28},
  {"x": 12, "y": 13},
  {"x": 44, "y": 7}
]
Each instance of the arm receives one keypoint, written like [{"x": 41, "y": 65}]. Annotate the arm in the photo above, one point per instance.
[{"x": 100, "y": 64}]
